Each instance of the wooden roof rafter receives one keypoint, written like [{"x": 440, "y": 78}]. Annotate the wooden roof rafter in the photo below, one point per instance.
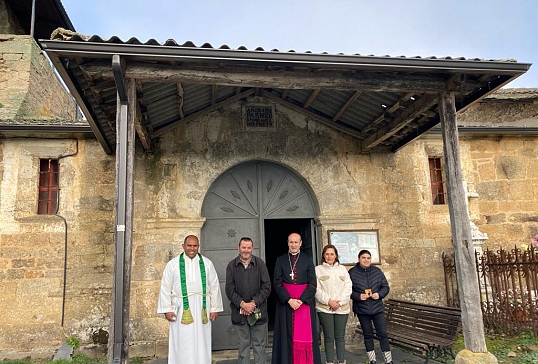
[
  {"x": 103, "y": 86},
  {"x": 326, "y": 121},
  {"x": 180, "y": 98},
  {"x": 213, "y": 97},
  {"x": 401, "y": 103},
  {"x": 207, "y": 110},
  {"x": 134, "y": 107},
  {"x": 344, "y": 107},
  {"x": 311, "y": 98},
  {"x": 418, "y": 107}
]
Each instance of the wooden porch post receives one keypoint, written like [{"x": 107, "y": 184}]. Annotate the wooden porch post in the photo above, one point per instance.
[
  {"x": 469, "y": 292},
  {"x": 118, "y": 341}
]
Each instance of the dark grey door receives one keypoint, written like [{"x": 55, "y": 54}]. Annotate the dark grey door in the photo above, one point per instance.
[{"x": 236, "y": 205}]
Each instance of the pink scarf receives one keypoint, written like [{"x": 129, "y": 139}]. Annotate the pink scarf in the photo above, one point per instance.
[{"x": 302, "y": 328}]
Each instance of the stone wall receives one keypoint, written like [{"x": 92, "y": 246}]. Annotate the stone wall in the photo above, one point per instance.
[
  {"x": 33, "y": 247},
  {"x": 502, "y": 168},
  {"x": 29, "y": 88},
  {"x": 385, "y": 191}
]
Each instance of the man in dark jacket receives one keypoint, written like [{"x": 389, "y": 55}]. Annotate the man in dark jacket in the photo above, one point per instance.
[
  {"x": 247, "y": 287},
  {"x": 369, "y": 287}
]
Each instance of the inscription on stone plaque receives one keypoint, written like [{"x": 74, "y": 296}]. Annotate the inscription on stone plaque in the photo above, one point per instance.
[{"x": 259, "y": 116}]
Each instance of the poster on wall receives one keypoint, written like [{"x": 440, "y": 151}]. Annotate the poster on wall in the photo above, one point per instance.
[{"x": 350, "y": 242}]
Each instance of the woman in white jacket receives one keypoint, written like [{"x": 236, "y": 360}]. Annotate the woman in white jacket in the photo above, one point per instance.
[{"x": 333, "y": 302}]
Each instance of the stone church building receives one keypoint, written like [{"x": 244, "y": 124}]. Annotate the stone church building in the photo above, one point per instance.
[{"x": 225, "y": 143}]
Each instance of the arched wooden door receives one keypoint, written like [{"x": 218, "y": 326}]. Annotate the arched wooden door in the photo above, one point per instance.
[{"x": 236, "y": 205}]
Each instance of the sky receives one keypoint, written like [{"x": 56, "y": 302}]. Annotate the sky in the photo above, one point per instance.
[{"x": 486, "y": 29}]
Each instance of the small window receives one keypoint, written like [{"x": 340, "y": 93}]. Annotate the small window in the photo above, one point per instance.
[
  {"x": 48, "y": 187},
  {"x": 436, "y": 180}
]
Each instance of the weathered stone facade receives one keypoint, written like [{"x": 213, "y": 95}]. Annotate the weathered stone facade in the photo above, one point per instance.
[
  {"x": 33, "y": 246},
  {"x": 385, "y": 191},
  {"x": 501, "y": 168},
  {"x": 29, "y": 88}
]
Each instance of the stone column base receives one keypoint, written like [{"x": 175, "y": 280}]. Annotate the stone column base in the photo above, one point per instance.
[{"x": 468, "y": 357}]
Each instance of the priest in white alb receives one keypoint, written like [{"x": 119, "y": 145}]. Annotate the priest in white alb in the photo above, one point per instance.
[{"x": 190, "y": 300}]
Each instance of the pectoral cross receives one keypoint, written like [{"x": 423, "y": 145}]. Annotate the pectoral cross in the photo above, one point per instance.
[{"x": 292, "y": 275}]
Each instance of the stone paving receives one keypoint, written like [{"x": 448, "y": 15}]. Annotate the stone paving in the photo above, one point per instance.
[{"x": 355, "y": 354}]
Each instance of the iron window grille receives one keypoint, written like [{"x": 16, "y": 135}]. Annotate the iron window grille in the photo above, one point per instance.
[
  {"x": 48, "y": 187},
  {"x": 436, "y": 180}
]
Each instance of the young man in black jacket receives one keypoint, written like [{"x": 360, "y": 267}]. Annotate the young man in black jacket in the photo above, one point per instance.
[{"x": 369, "y": 287}]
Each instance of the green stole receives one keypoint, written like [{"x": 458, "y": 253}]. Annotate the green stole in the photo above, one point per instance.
[{"x": 186, "y": 318}]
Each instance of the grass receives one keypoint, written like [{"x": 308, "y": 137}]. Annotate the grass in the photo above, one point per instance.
[
  {"x": 79, "y": 359},
  {"x": 520, "y": 349}
]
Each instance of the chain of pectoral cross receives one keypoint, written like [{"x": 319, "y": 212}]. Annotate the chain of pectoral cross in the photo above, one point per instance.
[{"x": 292, "y": 275}]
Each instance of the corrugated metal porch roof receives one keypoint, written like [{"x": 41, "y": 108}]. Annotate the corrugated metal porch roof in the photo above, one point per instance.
[{"x": 384, "y": 102}]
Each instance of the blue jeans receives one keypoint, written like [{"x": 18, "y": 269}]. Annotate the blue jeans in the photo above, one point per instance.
[{"x": 380, "y": 324}]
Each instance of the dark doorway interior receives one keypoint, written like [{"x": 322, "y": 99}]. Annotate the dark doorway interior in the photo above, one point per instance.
[{"x": 276, "y": 244}]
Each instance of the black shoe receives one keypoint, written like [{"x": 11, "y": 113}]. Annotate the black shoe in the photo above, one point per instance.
[{"x": 373, "y": 362}]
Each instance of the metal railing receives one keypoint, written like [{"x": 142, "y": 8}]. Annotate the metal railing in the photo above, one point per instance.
[{"x": 508, "y": 281}]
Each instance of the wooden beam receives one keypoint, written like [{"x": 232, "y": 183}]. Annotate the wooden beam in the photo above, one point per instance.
[
  {"x": 103, "y": 86},
  {"x": 311, "y": 98},
  {"x": 348, "y": 103},
  {"x": 407, "y": 96},
  {"x": 398, "y": 123},
  {"x": 310, "y": 114},
  {"x": 469, "y": 291},
  {"x": 213, "y": 94},
  {"x": 420, "y": 129},
  {"x": 142, "y": 132},
  {"x": 386, "y": 114},
  {"x": 205, "y": 111},
  {"x": 180, "y": 98},
  {"x": 393, "y": 108},
  {"x": 373, "y": 124},
  {"x": 123, "y": 229},
  {"x": 136, "y": 115},
  {"x": 429, "y": 113},
  {"x": 283, "y": 79},
  {"x": 91, "y": 114}
]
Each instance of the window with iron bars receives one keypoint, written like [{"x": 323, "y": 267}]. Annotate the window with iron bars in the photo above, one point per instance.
[
  {"x": 436, "y": 180},
  {"x": 48, "y": 187}
]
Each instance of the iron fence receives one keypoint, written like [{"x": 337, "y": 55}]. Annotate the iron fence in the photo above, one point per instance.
[{"x": 508, "y": 282}]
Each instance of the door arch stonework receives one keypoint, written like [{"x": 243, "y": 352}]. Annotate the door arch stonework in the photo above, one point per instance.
[{"x": 236, "y": 205}]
